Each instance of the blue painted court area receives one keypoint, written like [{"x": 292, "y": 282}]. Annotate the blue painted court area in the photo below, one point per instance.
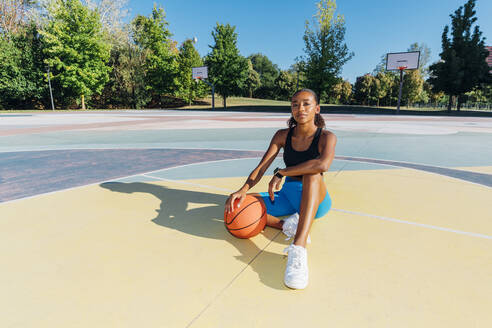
[{"x": 118, "y": 216}]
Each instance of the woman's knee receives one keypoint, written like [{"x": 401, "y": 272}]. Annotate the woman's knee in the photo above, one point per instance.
[
  {"x": 312, "y": 178},
  {"x": 313, "y": 185}
]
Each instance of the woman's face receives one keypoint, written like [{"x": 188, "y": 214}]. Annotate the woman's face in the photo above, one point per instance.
[{"x": 304, "y": 107}]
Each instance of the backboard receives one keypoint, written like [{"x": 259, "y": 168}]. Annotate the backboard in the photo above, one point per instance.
[
  {"x": 397, "y": 60},
  {"x": 200, "y": 72}
]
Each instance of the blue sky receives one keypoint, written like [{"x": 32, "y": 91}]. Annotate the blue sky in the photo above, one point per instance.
[{"x": 275, "y": 27}]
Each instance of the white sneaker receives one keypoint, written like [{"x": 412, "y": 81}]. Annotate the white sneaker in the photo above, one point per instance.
[
  {"x": 296, "y": 272},
  {"x": 289, "y": 227}
]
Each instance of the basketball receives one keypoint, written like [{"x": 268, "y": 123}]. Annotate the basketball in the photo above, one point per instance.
[{"x": 248, "y": 220}]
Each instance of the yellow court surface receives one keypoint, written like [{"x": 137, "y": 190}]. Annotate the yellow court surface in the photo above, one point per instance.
[{"x": 156, "y": 254}]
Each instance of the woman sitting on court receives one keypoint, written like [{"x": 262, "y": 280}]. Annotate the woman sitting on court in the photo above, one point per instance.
[{"x": 308, "y": 152}]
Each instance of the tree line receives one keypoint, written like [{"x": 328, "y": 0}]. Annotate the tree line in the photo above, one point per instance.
[{"x": 93, "y": 59}]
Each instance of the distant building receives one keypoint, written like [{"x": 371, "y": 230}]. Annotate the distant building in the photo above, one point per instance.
[{"x": 489, "y": 58}]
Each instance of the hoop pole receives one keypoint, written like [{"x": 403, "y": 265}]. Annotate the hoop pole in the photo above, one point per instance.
[
  {"x": 213, "y": 91},
  {"x": 399, "y": 92},
  {"x": 213, "y": 97}
]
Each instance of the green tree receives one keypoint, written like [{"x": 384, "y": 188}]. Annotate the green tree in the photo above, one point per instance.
[
  {"x": 481, "y": 95},
  {"x": 346, "y": 92},
  {"x": 188, "y": 89},
  {"x": 341, "y": 92},
  {"x": 374, "y": 90},
  {"x": 10, "y": 74},
  {"x": 412, "y": 87},
  {"x": 285, "y": 85},
  {"x": 22, "y": 83},
  {"x": 392, "y": 95},
  {"x": 383, "y": 85},
  {"x": 151, "y": 33},
  {"x": 297, "y": 69},
  {"x": 434, "y": 97},
  {"x": 127, "y": 83},
  {"x": 228, "y": 70},
  {"x": 125, "y": 88},
  {"x": 325, "y": 48},
  {"x": 253, "y": 81},
  {"x": 363, "y": 89},
  {"x": 462, "y": 67},
  {"x": 75, "y": 49},
  {"x": 268, "y": 72}
]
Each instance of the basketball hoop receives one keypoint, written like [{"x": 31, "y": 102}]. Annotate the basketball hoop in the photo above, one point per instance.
[
  {"x": 401, "y": 61},
  {"x": 199, "y": 72}
]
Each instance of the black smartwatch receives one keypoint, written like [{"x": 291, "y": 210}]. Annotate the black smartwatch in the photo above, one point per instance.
[{"x": 278, "y": 175}]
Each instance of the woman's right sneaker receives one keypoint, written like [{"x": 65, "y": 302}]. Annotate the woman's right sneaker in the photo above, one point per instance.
[
  {"x": 289, "y": 227},
  {"x": 296, "y": 272}
]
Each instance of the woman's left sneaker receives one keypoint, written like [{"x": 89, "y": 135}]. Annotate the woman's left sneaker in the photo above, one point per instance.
[{"x": 289, "y": 227}]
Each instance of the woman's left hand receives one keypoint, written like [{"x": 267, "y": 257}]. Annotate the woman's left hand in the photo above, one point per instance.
[{"x": 274, "y": 185}]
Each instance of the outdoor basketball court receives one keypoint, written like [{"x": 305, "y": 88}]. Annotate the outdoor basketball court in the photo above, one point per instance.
[{"x": 115, "y": 219}]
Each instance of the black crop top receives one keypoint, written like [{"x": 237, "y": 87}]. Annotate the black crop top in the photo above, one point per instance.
[{"x": 293, "y": 157}]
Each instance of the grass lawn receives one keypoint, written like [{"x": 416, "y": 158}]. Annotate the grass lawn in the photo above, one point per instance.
[{"x": 265, "y": 105}]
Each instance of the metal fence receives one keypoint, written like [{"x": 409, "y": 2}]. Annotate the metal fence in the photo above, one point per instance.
[{"x": 466, "y": 106}]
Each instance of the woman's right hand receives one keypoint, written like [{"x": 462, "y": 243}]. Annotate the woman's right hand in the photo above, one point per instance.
[{"x": 236, "y": 196}]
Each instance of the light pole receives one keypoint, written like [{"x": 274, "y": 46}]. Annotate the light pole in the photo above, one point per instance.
[{"x": 51, "y": 93}]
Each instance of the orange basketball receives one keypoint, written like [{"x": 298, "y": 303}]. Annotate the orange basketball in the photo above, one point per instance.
[{"x": 248, "y": 220}]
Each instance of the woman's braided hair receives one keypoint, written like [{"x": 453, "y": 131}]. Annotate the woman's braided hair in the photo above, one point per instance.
[{"x": 318, "y": 119}]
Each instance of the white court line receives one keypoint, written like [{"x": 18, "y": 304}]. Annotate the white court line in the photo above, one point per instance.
[
  {"x": 191, "y": 164},
  {"x": 356, "y": 159},
  {"x": 428, "y": 226},
  {"x": 187, "y": 183},
  {"x": 473, "y": 234}
]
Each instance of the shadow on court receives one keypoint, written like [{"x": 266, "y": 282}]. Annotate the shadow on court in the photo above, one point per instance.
[{"x": 206, "y": 220}]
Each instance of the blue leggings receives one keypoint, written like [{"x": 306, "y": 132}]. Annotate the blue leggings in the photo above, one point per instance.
[{"x": 287, "y": 200}]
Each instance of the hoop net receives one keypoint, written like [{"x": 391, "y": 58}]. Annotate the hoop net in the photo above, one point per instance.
[{"x": 402, "y": 68}]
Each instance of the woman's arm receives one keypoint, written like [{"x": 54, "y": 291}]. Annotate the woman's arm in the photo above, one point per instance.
[
  {"x": 269, "y": 156},
  {"x": 255, "y": 176},
  {"x": 328, "y": 142}
]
